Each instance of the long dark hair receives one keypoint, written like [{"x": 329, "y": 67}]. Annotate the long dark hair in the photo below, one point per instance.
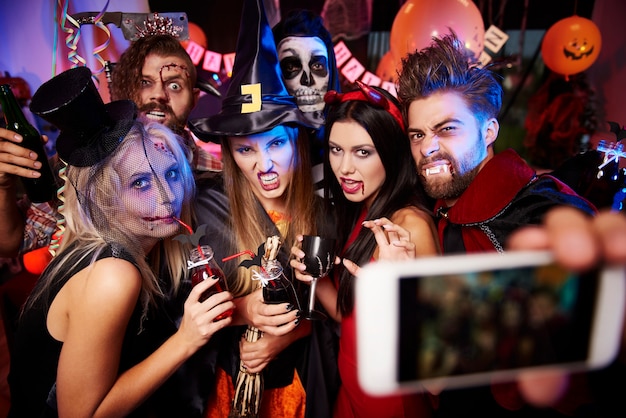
[{"x": 399, "y": 190}]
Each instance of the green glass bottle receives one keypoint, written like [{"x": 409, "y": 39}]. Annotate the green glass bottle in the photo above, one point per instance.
[{"x": 43, "y": 188}]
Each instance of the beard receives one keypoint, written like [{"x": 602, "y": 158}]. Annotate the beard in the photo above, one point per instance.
[
  {"x": 452, "y": 186},
  {"x": 172, "y": 121}
]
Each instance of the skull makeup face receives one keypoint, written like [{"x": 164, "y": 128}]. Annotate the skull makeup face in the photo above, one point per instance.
[{"x": 304, "y": 66}]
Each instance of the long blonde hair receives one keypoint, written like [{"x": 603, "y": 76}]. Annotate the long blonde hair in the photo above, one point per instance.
[
  {"x": 91, "y": 198},
  {"x": 249, "y": 221}
]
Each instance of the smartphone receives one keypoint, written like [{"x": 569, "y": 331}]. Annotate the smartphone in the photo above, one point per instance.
[{"x": 465, "y": 320}]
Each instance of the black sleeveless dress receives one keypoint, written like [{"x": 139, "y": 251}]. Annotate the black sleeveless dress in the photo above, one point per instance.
[{"x": 34, "y": 363}]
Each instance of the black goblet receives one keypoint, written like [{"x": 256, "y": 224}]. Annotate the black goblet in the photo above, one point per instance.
[{"x": 319, "y": 258}]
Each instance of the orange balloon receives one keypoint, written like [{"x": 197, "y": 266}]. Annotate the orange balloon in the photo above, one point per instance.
[
  {"x": 571, "y": 45},
  {"x": 418, "y": 21},
  {"x": 197, "y": 35},
  {"x": 387, "y": 68},
  {"x": 36, "y": 261}
]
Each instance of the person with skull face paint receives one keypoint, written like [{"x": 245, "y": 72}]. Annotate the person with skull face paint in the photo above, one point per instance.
[
  {"x": 307, "y": 60},
  {"x": 309, "y": 69},
  {"x": 304, "y": 66}
]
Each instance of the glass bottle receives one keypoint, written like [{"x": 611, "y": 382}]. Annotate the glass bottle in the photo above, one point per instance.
[
  {"x": 43, "y": 188},
  {"x": 203, "y": 266},
  {"x": 277, "y": 288}
]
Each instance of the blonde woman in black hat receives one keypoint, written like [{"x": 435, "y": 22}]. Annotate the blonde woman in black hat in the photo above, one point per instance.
[
  {"x": 158, "y": 75},
  {"x": 267, "y": 191},
  {"x": 85, "y": 344}
]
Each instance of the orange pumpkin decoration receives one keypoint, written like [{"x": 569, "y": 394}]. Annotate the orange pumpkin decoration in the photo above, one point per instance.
[{"x": 571, "y": 45}]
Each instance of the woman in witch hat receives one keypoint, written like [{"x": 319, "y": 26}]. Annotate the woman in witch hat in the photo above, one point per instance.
[
  {"x": 269, "y": 192},
  {"x": 85, "y": 343}
]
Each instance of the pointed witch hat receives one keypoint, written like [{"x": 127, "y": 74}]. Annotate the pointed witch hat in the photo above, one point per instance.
[{"x": 257, "y": 99}]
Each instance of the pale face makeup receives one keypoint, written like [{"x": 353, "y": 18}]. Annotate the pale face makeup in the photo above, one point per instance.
[
  {"x": 447, "y": 143},
  {"x": 304, "y": 65},
  {"x": 267, "y": 162},
  {"x": 151, "y": 191},
  {"x": 355, "y": 162},
  {"x": 166, "y": 95}
]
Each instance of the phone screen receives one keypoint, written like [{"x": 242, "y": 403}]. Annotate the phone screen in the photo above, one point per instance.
[{"x": 487, "y": 321}]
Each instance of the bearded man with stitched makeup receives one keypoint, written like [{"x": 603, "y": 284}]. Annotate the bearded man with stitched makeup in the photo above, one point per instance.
[{"x": 158, "y": 75}]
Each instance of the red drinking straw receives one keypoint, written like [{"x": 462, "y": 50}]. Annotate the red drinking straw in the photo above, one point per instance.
[
  {"x": 248, "y": 252},
  {"x": 188, "y": 228}
]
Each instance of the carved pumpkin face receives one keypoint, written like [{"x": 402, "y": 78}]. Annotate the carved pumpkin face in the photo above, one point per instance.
[
  {"x": 571, "y": 45},
  {"x": 577, "y": 49}
]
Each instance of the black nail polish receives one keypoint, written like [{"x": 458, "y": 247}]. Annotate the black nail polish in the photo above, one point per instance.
[
  {"x": 289, "y": 306},
  {"x": 297, "y": 321}
]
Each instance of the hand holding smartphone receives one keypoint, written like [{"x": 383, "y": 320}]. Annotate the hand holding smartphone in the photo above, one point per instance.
[{"x": 467, "y": 320}]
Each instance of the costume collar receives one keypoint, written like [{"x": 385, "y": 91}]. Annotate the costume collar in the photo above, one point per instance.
[{"x": 496, "y": 184}]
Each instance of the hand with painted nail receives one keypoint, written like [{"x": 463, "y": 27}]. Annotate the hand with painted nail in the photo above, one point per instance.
[
  {"x": 299, "y": 268},
  {"x": 274, "y": 319},
  {"x": 325, "y": 291},
  {"x": 200, "y": 318},
  {"x": 394, "y": 242}
]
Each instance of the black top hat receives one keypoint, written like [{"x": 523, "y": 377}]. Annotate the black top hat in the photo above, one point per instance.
[
  {"x": 256, "y": 100},
  {"x": 89, "y": 129}
]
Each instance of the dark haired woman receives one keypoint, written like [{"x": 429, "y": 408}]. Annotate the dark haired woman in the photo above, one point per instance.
[{"x": 373, "y": 185}]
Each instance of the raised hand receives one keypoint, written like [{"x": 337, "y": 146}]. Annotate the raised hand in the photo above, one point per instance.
[
  {"x": 16, "y": 160},
  {"x": 578, "y": 242},
  {"x": 299, "y": 268},
  {"x": 257, "y": 355},
  {"x": 199, "y": 322},
  {"x": 394, "y": 242},
  {"x": 274, "y": 319}
]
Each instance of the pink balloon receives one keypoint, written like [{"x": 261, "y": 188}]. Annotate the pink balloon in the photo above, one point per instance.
[{"x": 418, "y": 21}]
